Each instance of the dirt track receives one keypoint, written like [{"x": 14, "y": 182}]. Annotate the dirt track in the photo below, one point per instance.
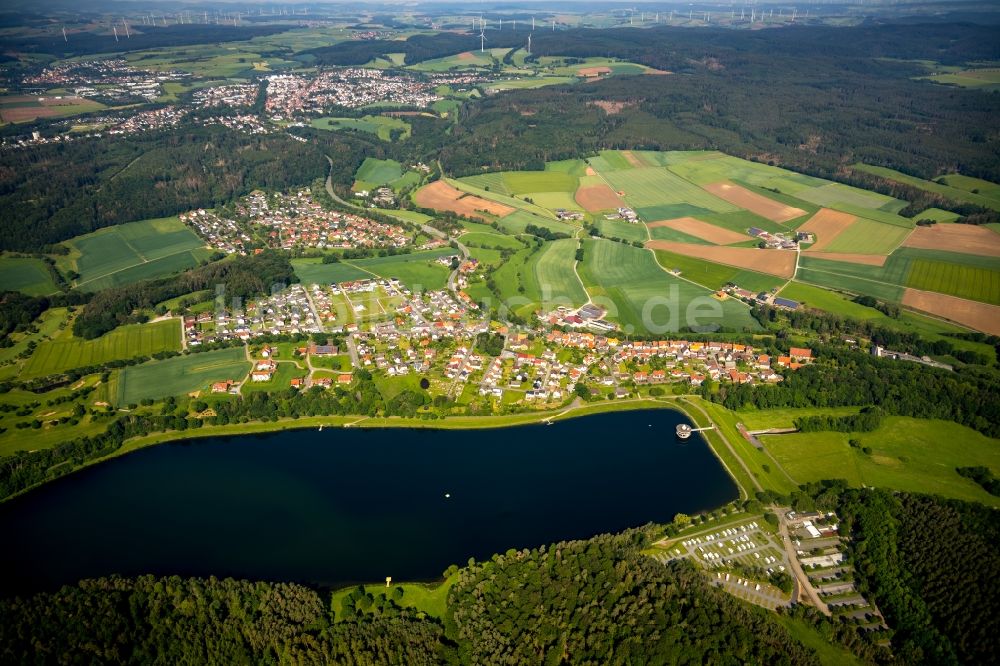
[
  {"x": 780, "y": 263},
  {"x": 694, "y": 227},
  {"x": 965, "y": 238},
  {"x": 753, "y": 202}
]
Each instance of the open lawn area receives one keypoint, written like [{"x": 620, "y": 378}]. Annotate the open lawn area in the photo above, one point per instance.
[
  {"x": 180, "y": 375},
  {"x": 384, "y": 127},
  {"x": 915, "y": 455},
  {"x": 135, "y": 251},
  {"x": 27, "y": 275},
  {"x": 426, "y": 598},
  {"x": 67, "y": 352}
]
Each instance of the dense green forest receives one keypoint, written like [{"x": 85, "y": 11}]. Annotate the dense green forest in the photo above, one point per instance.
[
  {"x": 814, "y": 99},
  {"x": 842, "y": 377},
  {"x": 932, "y": 567},
  {"x": 58, "y": 191},
  {"x": 581, "y": 602}
]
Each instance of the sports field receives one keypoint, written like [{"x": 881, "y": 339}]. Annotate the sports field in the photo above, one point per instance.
[
  {"x": 181, "y": 375},
  {"x": 135, "y": 251},
  {"x": 27, "y": 275},
  {"x": 381, "y": 126},
  {"x": 642, "y": 297},
  {"x": 67, "y": 352},
  {"x": 557, "y": 282}
]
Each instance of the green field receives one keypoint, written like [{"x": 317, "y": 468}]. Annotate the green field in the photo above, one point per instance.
[
  {"x": 983, "y": 79},
  {"x": 379, "y": 172},
  {"x": 915, "y": 455},
  {"x": 716, "y": 276},
  {"x": 555, "y": 276},
  {"x": 988, "y": 196},
  {"x": 510, "y": 183},
  {"x": 135, "y": 251},
  {"x": 972, "y": 282},
  {"x": 626, "y": 230},
  {"x": 835, "y": 195},
  {"x": 311, "y": 271},
  {"x": 416, "y": 271},
  {"x": 406, "y": 215},
  {"x": 867, "y": 237},
  {"x": 628, "y": 281},
  {"x": 964, "y": 275},
  {"x": 972, "y": 185},
  {"x": 66, "y": 352},
  {"x": 656, "y": 186},
  {"x": 26, "y": 274},
  {"x": 180, "y": 375},
  {"x": 493, "y": 240},
  {"x": 517, "y": 222},
  {"x": 384, "y": 127}
]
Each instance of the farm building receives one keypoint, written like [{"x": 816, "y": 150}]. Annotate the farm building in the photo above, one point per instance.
[{"x": 786, "y": 303}]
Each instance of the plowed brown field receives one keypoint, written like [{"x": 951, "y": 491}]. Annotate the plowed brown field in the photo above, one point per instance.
[
  {"x": 780, "y": 263},
  {"x": 753, "y": 202}
]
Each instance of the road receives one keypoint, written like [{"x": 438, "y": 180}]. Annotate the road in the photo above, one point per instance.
[
  {"x": 800, "y": 576},
  {"x": 453, "y": 278},
  {"x": 329, "y": 188}
]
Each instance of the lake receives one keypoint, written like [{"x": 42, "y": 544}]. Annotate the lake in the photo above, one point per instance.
[{"x": 338, "y": 506}]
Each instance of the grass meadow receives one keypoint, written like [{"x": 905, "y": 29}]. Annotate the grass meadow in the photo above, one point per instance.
[
  {"x": 27, "y": 275},
  {"x": 914, "y": 455},
  {"x": 66, "y": 352},
  {"x": 135, "y": 251},
  {"x": 180, "y": 375}
]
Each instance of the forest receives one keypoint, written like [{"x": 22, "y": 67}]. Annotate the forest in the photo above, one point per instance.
[
  {"x": 625, "y": 609},
  {"x": 932, "y": 567},
  {"x": 58, "y": 191},
  {"x": 844, "y": 377}
]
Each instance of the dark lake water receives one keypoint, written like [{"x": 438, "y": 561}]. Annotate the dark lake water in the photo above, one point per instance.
[{"x": 342, "y": 506}]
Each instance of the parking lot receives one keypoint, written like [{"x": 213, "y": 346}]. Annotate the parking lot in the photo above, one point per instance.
[{"x": 728, "y": 553}]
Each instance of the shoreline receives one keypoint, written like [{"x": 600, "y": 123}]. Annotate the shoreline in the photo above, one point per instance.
[{"x": 676, "y": 403}]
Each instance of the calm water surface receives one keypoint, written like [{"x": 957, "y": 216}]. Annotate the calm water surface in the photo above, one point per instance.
[{"x": 342, "y": 506}]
